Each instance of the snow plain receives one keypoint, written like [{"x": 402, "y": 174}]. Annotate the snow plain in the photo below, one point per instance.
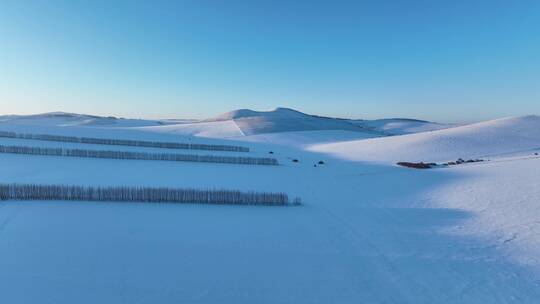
[{"x": 368, "y": 232}]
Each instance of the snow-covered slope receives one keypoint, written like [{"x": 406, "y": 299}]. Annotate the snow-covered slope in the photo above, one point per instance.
[
  {"x": 503, "y": 197},
  {"x": 213, "y": 129},
  {"x": 399, "y": 126},
  {"x": 305, "y": 138},
  {"x": 244, "y": 122},
  {"x": 284, "y": 120},
  {"x": 485, "y": 139}
]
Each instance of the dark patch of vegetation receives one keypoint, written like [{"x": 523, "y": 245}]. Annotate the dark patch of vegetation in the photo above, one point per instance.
[
  {"x": 420, "y": 165},
  {"x": 139, "y": 155},
  {"x": 125, "y": 142},
  {"x": 462, "y": 161},
  {"x": 28, "y": 192}
]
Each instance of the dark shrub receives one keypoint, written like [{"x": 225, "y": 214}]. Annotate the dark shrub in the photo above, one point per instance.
[{"x": 420, "y": 165}]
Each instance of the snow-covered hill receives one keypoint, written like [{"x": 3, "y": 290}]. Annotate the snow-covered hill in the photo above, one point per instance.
[
  {"x": 284, "y": 120},
  {"x": 485, "y": 139},
  {"x": 237, "y": 123},
  {"x": 244, "y": 122}
]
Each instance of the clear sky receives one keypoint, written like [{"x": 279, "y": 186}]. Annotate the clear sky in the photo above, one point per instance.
[{"x": 441, "y": 60}]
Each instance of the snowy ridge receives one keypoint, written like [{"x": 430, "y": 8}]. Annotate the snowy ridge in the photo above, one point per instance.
[
  {"x": 72, "y": 119},
  {"x": 284, "y": 120},
  {"x": 237, "y": 123}
]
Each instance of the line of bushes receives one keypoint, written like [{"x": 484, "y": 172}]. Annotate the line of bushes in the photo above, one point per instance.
[
  {"x": 420, "y": 165},
  {"x": 125, "y": 142},
  {"x": 139, "y": 155},
  {"x": 140, "y": 194}
]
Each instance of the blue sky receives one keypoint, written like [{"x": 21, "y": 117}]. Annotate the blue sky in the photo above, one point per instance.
[{"x": 429, "y": 59}]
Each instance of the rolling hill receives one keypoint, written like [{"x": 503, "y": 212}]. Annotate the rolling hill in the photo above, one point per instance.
[{"x": 484, "y": 139}]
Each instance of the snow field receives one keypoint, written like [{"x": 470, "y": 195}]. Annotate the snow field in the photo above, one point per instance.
[{"x": 369, "y": 231}]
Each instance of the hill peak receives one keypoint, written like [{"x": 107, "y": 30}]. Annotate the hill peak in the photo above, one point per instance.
[{"x": 248, "y": 113}]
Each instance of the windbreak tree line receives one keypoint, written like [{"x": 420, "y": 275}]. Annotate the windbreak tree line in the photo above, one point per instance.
[
  {"x": 139, "y": 194},
  {"x": 139, "y": 155},
  {"x": 125, "y": 142}
]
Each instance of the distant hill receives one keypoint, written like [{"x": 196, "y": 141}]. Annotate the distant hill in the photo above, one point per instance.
[
  {"x": 73, "y": 119},
  {"x": 243, "y": 122}
]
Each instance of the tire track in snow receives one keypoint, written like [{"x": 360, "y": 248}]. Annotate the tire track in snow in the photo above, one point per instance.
[
  {"x": 10, "y": 216},
  {"x": 388, "y": 270}
]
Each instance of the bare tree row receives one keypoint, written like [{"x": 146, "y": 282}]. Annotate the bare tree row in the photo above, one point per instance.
[
  {"x": 125, "y": 142},
  {"x": 139, "y": 194},
  {"x": 139, "y": 155}
]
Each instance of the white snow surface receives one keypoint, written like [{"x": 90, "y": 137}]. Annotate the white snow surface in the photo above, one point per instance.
[
  {"x": 503, "y": 197},
  {"x": 306, "y": 138},
  {"x": 480, "y": 140},
  {"x": 400, "y": 126},
  {"x": 214, "y": 129},
  {"x": 368, "y": 232}
]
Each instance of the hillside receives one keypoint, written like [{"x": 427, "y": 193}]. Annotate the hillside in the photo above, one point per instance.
[
  {"x": 246, "y": 122},
  {"x": 400, "y": 126},
  {"x": 485, "y": 139},
  {"x": 284, "y": 120}
]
